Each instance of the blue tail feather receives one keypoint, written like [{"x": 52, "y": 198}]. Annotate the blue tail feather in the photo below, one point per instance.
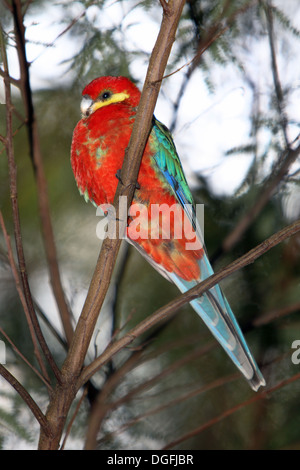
[{"x": 216, "y": 313}]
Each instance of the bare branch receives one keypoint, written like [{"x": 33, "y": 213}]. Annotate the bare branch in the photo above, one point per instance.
[
  {"x": 26, "y": 397},
  {"x": 165, "y": 6},
  {"x": 13, "y": 81},
  {"x": 8, "y": 6},
  {"x": 18, "y": 352}
]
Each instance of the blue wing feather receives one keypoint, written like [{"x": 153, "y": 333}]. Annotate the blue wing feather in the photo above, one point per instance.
[{"x": 212, "y": 306}]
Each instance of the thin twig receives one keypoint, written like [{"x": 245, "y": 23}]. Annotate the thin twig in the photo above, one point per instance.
[
  {"x": 268, "y": 317},
  {"x": 262, "y": 199},
  {"x": 259, "y": 396},
  {"x": 16, "y": 219},
  {"x": 18, "y": 352},
  {"x": 22, "y": 296},
  {"x": 221, "y": 381},
  {"x": 26, "y": 397},
  {"x": 36, "y": 157},
  {"x": 76, "y": 411},
  {"x": 213, "y": 33},
  {"x": 102, "y": 404},
  {"x": 275, "y": 73},
  {"x": 13, "y": 81},
  {"x": 165, "y": 7}
]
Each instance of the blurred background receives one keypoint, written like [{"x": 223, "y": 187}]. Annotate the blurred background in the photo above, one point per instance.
[{"x": 234, "y": 115}]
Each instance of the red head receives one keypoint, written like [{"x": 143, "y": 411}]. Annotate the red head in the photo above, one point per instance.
[{"x": 104, "y": 91}]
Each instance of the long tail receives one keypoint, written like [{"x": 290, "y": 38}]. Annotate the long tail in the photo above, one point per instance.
[{"x": 215, "y": 311}]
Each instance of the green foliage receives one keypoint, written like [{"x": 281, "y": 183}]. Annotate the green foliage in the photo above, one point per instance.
[{"x": 285, "y": 21}]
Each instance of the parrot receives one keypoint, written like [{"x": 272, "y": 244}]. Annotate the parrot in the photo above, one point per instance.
[{"x": 100, "y": 138}]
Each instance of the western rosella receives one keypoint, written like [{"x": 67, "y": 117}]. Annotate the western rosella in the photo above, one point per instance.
[{"x": 99, "y": 141}]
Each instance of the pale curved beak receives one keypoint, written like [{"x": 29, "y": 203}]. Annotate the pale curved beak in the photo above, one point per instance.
[{"x": 86, "y": 106}]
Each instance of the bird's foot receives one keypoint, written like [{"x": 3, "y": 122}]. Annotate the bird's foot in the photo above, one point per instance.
[{"x": 118, "y": 176}]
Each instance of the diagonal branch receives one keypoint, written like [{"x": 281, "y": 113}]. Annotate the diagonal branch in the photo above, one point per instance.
[
  {"x": 18, "y": 352},
  {"x": 26, "y": 397},
  {"x": 192, "y": 294}
]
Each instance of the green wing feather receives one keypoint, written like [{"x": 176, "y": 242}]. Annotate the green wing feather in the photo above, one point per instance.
[
  {"x": 168, "y": 161},
  {"x": 169, "y": 164}
]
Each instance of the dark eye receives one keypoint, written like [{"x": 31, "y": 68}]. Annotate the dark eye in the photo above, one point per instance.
[{"x": 105, "y": 95}]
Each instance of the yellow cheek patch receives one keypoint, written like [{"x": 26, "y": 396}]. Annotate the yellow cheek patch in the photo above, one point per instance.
[{"x": 115, "y": 98}]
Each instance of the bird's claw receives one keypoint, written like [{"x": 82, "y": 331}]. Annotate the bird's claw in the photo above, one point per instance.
[{"x": 118, "y": 176}]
